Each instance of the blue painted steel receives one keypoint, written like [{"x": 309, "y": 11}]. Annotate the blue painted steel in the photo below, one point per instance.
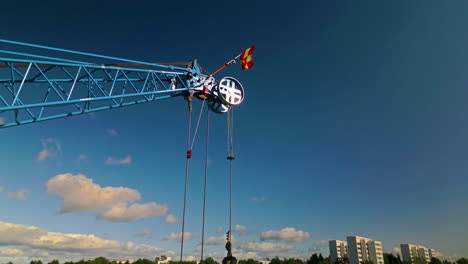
[
  {"x": 36, "y": 88},
  {"x": 41, "y": 57},
  {"x": 88, "y": 54},
  {"x": 33, "y": 91},
  {"x": 95, "y": 66}
]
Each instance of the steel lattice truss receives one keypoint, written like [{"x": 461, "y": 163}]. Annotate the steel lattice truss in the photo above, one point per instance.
[
  {"x": 36, "y": 87},
  {"x": 39, "y": 90}
]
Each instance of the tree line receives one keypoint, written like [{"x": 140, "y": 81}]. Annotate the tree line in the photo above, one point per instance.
[{"x": 314, "y": 259}]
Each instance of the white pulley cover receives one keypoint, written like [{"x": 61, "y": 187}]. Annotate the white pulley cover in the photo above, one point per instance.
[
  {"x": 230, "y": 91},
  {"x": 218, "y": 107}
]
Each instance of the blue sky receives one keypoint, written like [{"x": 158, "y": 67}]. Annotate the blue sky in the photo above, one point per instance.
[{"x": 353, "y": 124}]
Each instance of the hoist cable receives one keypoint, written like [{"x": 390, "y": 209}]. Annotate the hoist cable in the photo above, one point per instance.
[
  {"x": 231, "y": 128},
  {"x": 229, "y": 133},
  {"x": 198, "y": 123},
  {"x": 206, "y": 177},
  {"x": 230, "y": 157},
  {"x": 230, "y": 199},
  {"x": 189, "y": 155}
]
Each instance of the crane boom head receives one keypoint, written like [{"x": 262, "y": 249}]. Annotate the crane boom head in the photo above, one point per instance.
[
  {"x": 221, "y": 95},
  {"x": 37, "y": 87}
]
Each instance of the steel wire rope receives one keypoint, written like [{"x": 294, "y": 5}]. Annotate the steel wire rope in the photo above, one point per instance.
[
  {"x": 198, "y": 123},
  {"x": 189, "y": 154},
  {"x": 230, "y": 158},
  {"x": 205, "y": 181}
]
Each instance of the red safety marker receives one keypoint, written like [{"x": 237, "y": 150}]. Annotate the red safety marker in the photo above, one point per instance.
[{"x": 189, "y": 154}]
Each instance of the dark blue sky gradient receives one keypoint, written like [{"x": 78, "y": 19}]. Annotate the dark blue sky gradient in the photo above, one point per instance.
[{"x": 354, "y": 121}]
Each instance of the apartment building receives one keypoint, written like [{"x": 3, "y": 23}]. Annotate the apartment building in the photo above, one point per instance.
[
  {"x": 162, "y": 260},
  {"x": 338, "y": 250},
  {"x": 361, "y": 249},
  {"x": 416, "y": 254}
]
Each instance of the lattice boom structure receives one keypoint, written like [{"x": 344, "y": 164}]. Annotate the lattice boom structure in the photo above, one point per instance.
[
  {"x": 33, "y": 88},
  {"x": 36, "y": 88}
]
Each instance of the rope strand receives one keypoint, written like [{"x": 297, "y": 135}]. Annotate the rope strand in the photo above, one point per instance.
[
  {"x": 198, "y": 123},
  {"x": 189, "y": 155},
  {"x": 206, "y": 176},
  {"x": 230, "y": 200},
  {"x": 230, "y": 158}
]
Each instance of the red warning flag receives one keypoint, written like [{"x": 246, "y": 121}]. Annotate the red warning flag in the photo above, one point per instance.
[{"x": 246, "y": 58}]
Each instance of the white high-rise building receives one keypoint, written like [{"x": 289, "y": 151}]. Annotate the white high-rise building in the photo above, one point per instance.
[
  {"x": 162, "y": 260},
  {"x": 361, "y": 249},
  {"x": 338, "y": 250},
  {"x": 410, "y": 253}
]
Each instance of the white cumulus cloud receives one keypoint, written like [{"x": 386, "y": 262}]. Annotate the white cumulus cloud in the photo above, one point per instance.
[
  {"x": 240, "y": 229},
  {"x": 173, "y": 236},
  {"x": 13, "y": 252},
  {"x": 124, "y": 213},
  {"x": 50, "y": 148},
  {"x": 214, "y": 240},
  {"x": 36, "y": 241},
  {"x": 285, "y": 234},
  {"x": 19, "y": 195},
  {"x": 265, "y": 247},
  {"x": 396, "y": 251},
  {"x": 115, "y": 204},
  {"x": 171, "y": 219},
  {"x": 219, "y": 229},
  {"x": 451, "y": 258},
  {"x": 221, "y": 240},
  {"x": 123, "y": 161},
  {"x": 321, "y": 243},
  {"x": 259, "y": 250}
]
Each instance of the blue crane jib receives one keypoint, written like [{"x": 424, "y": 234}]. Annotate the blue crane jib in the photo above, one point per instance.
[{"x": 36, "y": 88}]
